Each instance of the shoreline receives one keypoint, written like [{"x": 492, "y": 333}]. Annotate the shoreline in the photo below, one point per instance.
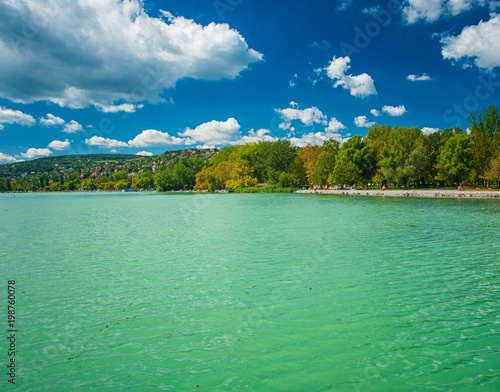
[{"x": 427, "y": 193}]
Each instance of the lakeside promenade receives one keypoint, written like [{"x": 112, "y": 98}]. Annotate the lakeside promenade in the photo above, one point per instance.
[{"x": 432, "y": 193}]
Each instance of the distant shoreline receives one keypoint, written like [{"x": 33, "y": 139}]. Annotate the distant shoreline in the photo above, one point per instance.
[
  {"x": 431, "y": 193},
  {"x": 425, "y": 193}
]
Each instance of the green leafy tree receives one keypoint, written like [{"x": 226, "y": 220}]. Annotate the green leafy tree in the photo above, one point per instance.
[
  {"x": 432, "y": 145},
  {"x": 326, "y": 162},
  {"x": 484, "y": 126},
  {"x": 100, "y": 181},
  {"x": 454, "y": 162},
  {"x": 216, "y": 179},
  {"x": 378, "y": 137},
  {"x": 57, "y": 186},
  {"x": 120, "y": 175},
  {"x": 431, "y": 148},
  {"x": 109, "y": 186},
  {"x": 182, "y": 176},
  {"x": 261, "y": 159},
  {"x": 325, "y": 166},
  {"x": 88, "y": 185},
  {"x": 346, "y": 172},
  {"x": 272, "y": 159},
  {"x": 222, "y": 156},
  {"x": 145, "y": 181},
  {"x": 298, "y": 169},
  {"x": 5, "y": 185},
  {"x": 122, "y": 184},
  {"x": 163, "y": 181},
  {"x": 288, "y": 180},
  {"x": 403, "y": 160},
  {"x": 43, "y": 181},
  {"x": 248, "y": 152},
  {"x": 355, "y": 150},
  {"x": 195, "y": 164}
]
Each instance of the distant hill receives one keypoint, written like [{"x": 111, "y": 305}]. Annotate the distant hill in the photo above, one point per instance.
[{"x": 48, "y": 164}]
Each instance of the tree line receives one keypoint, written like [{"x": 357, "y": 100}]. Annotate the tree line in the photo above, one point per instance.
[{"x": 391, "y": 156}]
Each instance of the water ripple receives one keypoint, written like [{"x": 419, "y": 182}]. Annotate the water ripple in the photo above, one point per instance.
[{"x": 254, "y": 292}]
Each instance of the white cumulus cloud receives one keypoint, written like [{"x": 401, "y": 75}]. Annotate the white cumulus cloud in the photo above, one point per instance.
[
  {"x": 9, "y": 116},
  {"x": 91, "y": 52},
  {"x": 213, "y": 133},
  {"x": 255, "y": 136},
  {"x": 72, "y": 127},
  {"x": 428, "y": 10},
  {"x": 334, "y": 125},
  {"x": 4, "y": 158},
  {"x": 308, "y": 116},
  {"x": 375, "y": 112},
  {"x": 52, "y": 121},
  {"x": 32, "y": 153},
  {"x": 154, "y": 138},
  {"x": 102, "y": 142},
  {"x": 479, "y": 43},
  {"x": 394, "y": 111},
  {"x": 359, "y": 85},
  {"x": 309, "y": 138},
  {"x": 124, "y": 107},
  {"x": 416, "y": 78},
  {"x": 60, "y": 145},
  {"x": 362, "y": 122},
  {"x": 432, "y": 10},
  {"x": 317, "y": 138},
  {"x": 145, "y": 154}
]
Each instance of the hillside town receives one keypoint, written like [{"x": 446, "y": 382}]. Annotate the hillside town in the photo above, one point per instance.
[{"x": 94, "y": 172}]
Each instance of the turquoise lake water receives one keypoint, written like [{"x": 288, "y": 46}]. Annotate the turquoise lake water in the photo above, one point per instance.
[{"x": 281, "y": 292}]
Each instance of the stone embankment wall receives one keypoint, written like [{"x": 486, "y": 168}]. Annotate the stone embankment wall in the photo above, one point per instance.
[{"x": 408, "y": 193}]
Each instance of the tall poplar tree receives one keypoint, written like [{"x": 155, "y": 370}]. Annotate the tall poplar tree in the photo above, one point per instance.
[{"x": 484, "y": 127}]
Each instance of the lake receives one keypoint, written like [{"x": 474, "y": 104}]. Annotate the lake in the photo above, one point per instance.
[{"x": 251, "y": 292}]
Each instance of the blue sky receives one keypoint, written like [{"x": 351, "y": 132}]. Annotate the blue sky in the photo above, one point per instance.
[{"x": 144, "y": 77}]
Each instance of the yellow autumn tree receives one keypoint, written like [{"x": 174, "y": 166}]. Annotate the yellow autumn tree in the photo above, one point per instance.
[
  {"x": 201, "y": 179},
  {"x": 492, "y": 172},
  {"x": 309, "y": 155},
  {"x": 240, "y": 173}
]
